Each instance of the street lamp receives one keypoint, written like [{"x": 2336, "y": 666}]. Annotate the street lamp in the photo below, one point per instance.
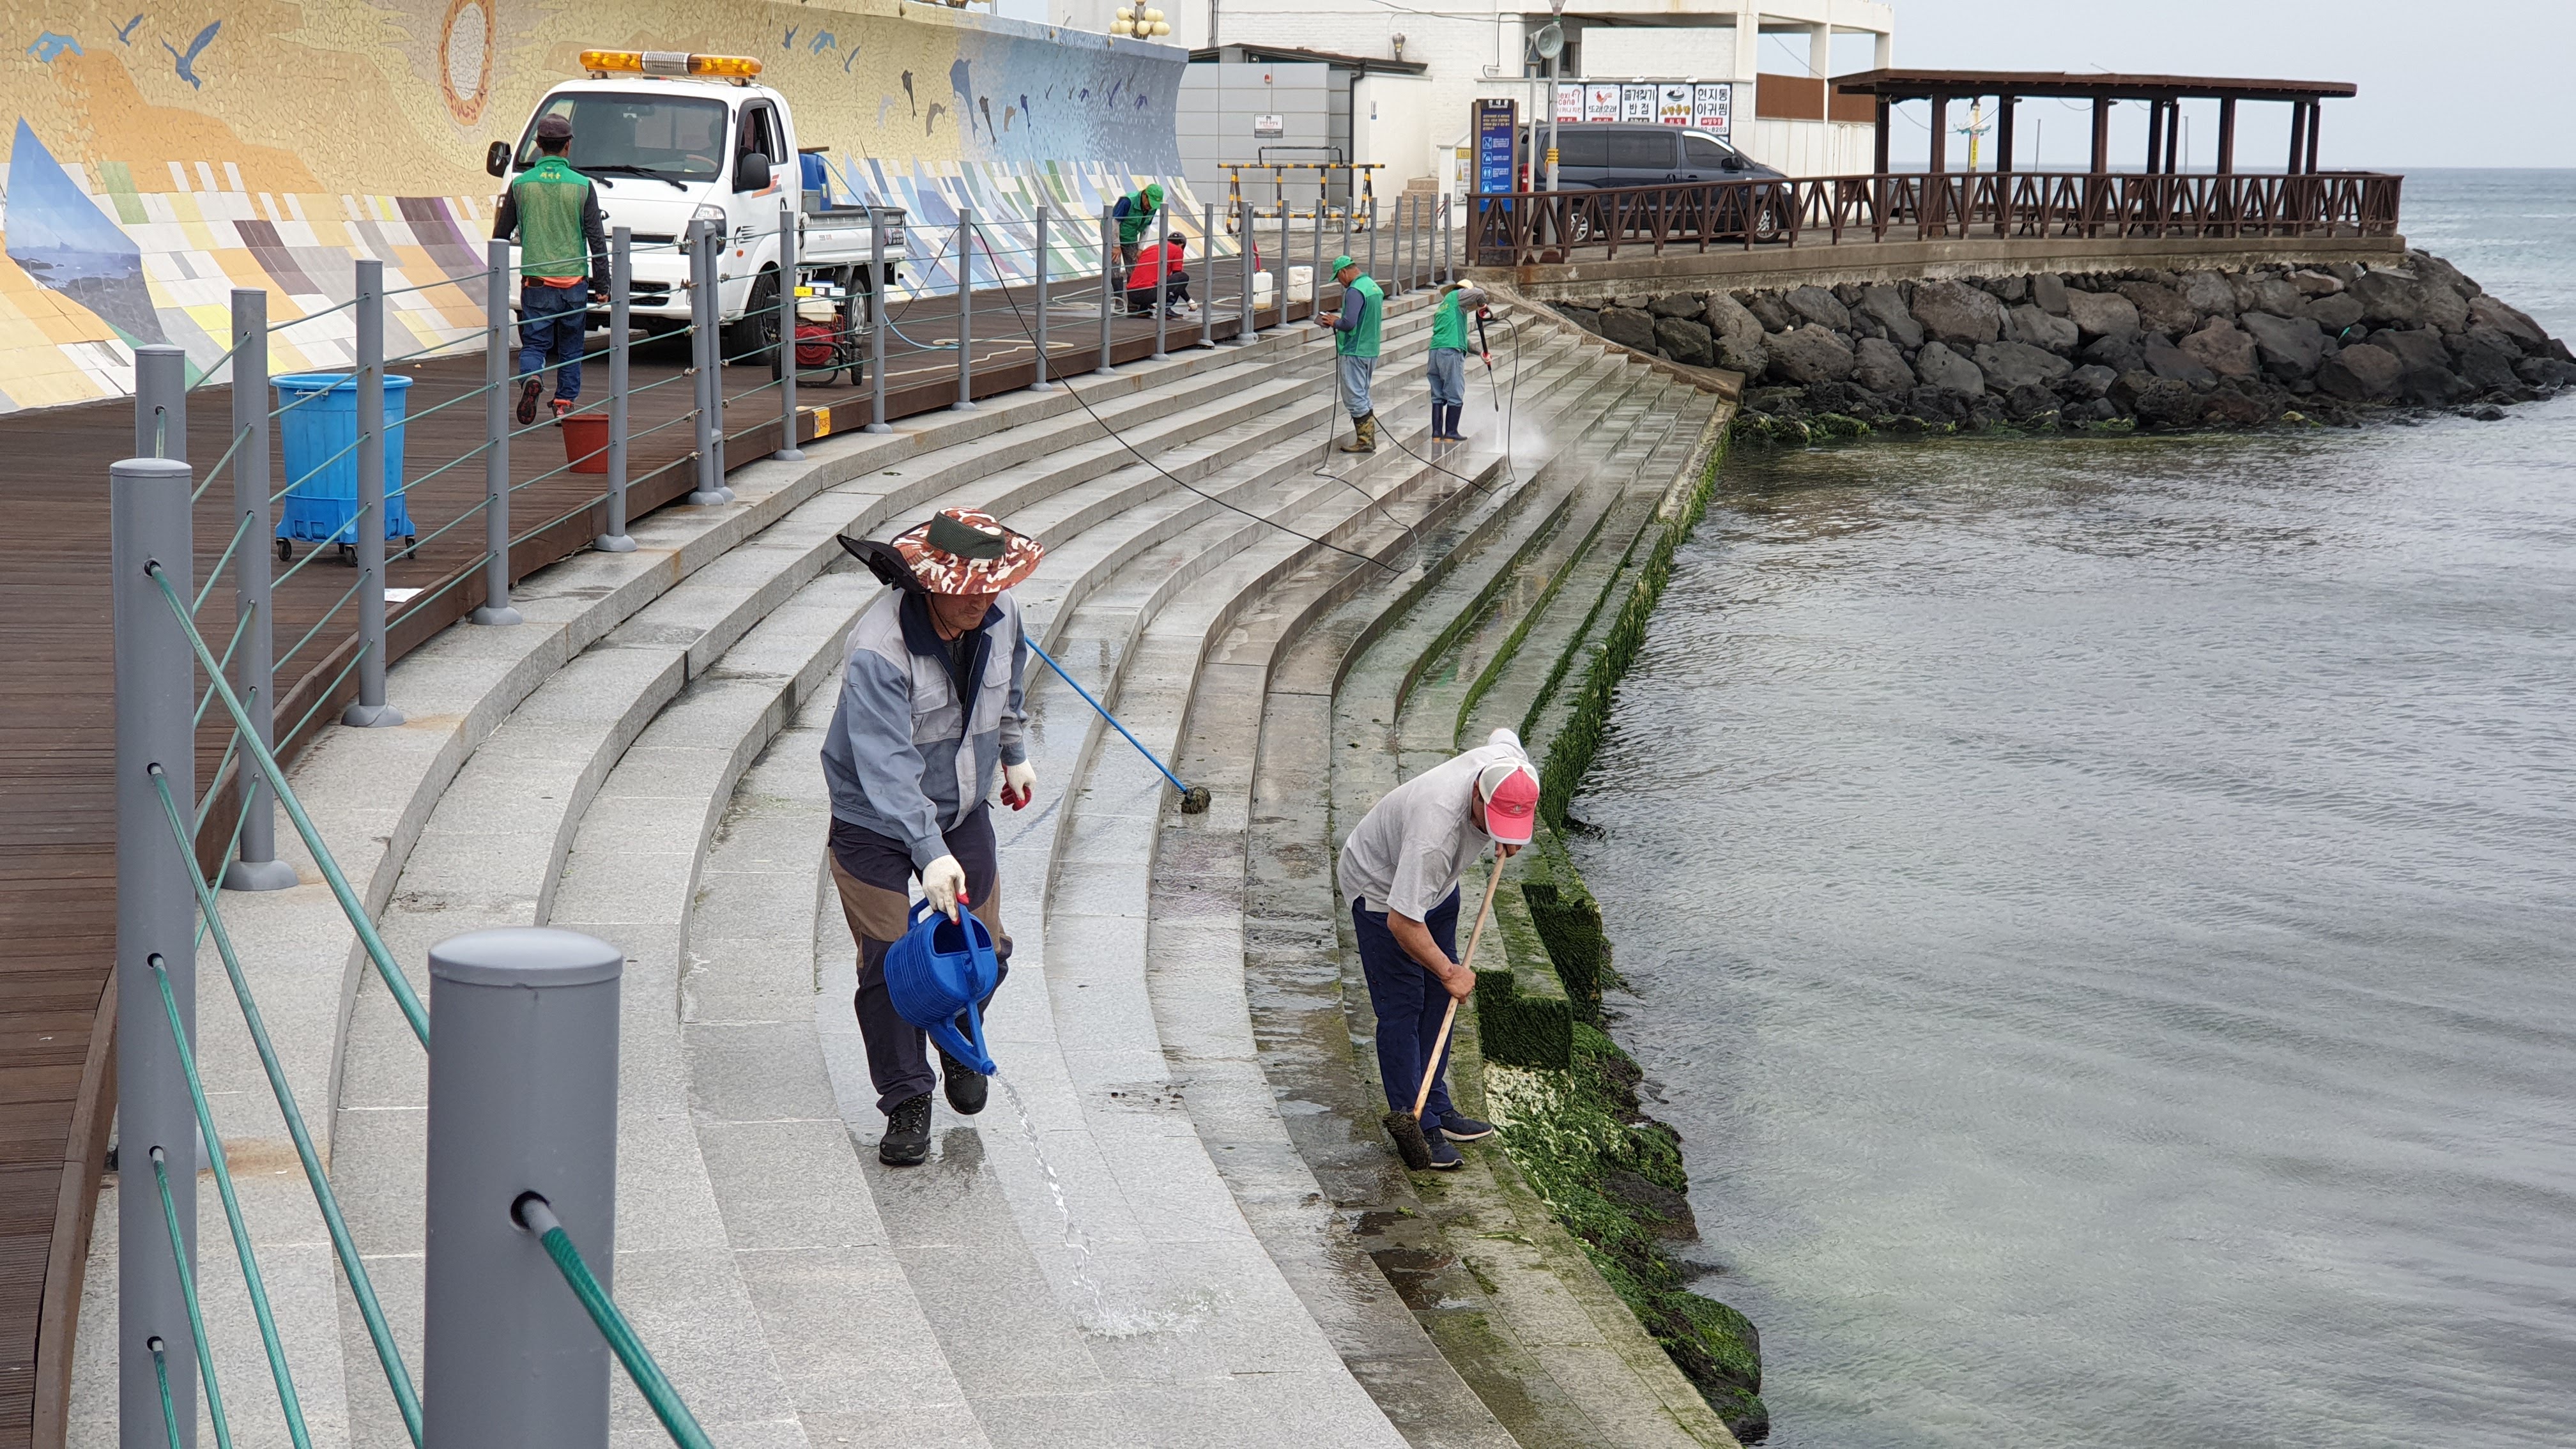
[{"x": 1551, "y": 46}]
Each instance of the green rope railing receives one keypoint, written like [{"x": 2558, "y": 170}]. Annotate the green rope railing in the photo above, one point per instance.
[
  {"x": 534, "y": 1214},
  {"x": 361, "y": 1287},
  {"x": 350, "y": 906},
  {"x": 188, "y": 1293},
  {"x": 251, "y": 1278},
  {"x": 161, "y": 1376}
]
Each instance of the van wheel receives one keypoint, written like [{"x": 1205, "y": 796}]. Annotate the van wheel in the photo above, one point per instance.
[
  {"x": 1578, "y": 227},
  {"x": 754, "y": 338}
]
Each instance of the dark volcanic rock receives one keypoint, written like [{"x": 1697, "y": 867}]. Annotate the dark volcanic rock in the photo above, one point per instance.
[
  {"x": 1817, "y": 305},
  {"x": 2432, "y": 387},
  {"x": 1773, "y": 313},
  {"x": 1685, "y": 341},
  {"x": 2513, "y": 324},
  {"x": 2048, "y": 293},
  {"x": 1728, "y": 318},
  {"x": 1878, "y": 366},
  {"x": 2336, "y": 312},
  {"x": 2120, "y": 354},
  {"x": 2225, "y": 349},
  {"x": 2444, "y": 308},
  {"x": 1629, "y": 327},
  {"x": 1586, "y": 318},
  {"x": 2166, "y": 360},
  {"x": 2314, "y": 283},
  {"x": 2290, "y": 347},
  {"x": 2030, "y": 400},
  {"x": 2010, "y": 365},
  {"x": 1885, "y": 305},
  {"x": 2224, "y": 406},
  {"x": 1742, "y": 354},
  {"x": 2388, "y": 298},
  {"x": 1940, "y": 367},
  {"x": 2161, "y": 309},
  {"x": 2360, "y": 373},
  {"x": 2209, "y": 294},
  {"x": 2092, "y": 380},
  {"x": 2267, "y": 294},
  {"x": 1937, "y": 404},
  {"x": 1812, "y": 354},
  {"x": 1957, "y": 313},
  {"x": 1679, "y": 304},
  {"x": 2102, "y": 314},
  {"x": 1669, "y": 1211},
  {"x": 2419, "y": 348},
  {"x": 2156, "y": 399},
  {"x": 2484, "y": 367},
  {"x": 2041, "y": 328}
]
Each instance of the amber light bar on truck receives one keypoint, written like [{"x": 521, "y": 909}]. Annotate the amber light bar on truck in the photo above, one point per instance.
[{"x": 740, "y": 69}]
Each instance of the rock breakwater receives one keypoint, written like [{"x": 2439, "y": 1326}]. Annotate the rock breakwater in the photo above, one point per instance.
[{"x": 2112, "y": 350}]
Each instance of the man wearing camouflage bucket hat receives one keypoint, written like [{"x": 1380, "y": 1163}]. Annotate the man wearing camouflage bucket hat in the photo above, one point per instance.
[{"x": 930, "y": 711}]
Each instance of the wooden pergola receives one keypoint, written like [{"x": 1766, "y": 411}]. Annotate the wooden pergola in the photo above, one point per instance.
[{"x": 2164, "y": 95}]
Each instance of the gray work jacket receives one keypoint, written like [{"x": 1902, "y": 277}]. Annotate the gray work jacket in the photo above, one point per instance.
[{"x": 905, "y": 758}]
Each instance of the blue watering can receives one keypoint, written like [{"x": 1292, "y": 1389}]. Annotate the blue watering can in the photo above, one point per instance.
[{"x": 939, "y": 970}]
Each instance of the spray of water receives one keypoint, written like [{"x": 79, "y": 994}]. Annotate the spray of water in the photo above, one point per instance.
[{"x": 1079, "y": 1256}]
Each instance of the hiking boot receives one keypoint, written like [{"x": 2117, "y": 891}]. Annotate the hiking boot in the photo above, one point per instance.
[
  {"x": 528, "y": 392},
  {"x": 1363, "y": 435},
  {"x": 1465, "y": 1129},
  {"x": 1444, "y": 1158},
  {"x": 966, "y": 1087},
  {"x": 562, "y": 407},
  {"x": 907, "y": 1134}
]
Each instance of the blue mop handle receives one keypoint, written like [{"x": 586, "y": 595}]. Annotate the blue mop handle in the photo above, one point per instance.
[{"x": 1105, "y": 714}]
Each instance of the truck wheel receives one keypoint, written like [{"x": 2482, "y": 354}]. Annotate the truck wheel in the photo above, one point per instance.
[{"x": 754, "y": 338}]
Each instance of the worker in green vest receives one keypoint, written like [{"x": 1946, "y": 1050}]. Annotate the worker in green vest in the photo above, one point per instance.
[
  {"x": 1134, "y": 214},
  {"x": 563, "y": 248},
  {"x": 1448, "y": 363},
  {"x": 1355, "y": 341}
]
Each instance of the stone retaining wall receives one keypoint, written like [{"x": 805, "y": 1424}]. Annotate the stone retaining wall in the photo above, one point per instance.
[{"x": 2108, "y": 349}]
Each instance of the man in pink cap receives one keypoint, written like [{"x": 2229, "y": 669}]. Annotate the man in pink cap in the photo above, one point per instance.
[{"x": 1399, "y": 870}]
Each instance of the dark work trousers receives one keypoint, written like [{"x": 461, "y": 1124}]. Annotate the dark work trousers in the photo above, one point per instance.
[
  {"x": 1409, "y": 1003},
  {"x": 874, "y": 873},
  {"x": 551, "y": 320}
]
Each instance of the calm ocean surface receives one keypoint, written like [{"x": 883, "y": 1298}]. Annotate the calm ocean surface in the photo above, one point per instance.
[{"x": 2102, "y": 915}]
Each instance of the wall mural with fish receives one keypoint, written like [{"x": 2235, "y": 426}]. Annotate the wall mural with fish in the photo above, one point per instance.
[{"x": 162, "y": 154}]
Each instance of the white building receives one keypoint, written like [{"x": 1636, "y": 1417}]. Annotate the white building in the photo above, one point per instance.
[{"x": 1397, "y": 84}]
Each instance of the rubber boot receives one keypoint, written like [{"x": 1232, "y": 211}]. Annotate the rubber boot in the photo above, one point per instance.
[{"x": 1363, "y": 434}]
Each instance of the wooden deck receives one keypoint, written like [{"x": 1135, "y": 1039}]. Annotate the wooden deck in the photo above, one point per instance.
[{"x": 57, "y": 838}]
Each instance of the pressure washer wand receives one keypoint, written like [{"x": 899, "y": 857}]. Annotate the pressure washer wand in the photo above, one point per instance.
[
  {"x": 1485, "y": 349},
  {"x": 1194, "y": 799}
]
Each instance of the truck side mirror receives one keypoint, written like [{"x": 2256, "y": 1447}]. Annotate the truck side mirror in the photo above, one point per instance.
[
  {"x": 497, "y": 159},
  {"x": 751, "y": 172},
  {"x": 1733, "y": 162}
]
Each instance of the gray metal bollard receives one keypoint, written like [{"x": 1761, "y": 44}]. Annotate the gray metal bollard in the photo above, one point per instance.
[
  {"x": 1250, "y": 332},
  {"x": 621, "y": 298},
  {"x": 1162, "y": 281},
  {"x": 256, "y": 867},
  {"x": 498, "y": 371},
  {"x": 965, "y": 311},
  {"x": 371, "y": 712},
  {"x": 1108, "y": 282},
  {"x": 788, "y": 449},
  {"x": 148, "y": 515},
  {"x": 1040, "y": 341},
  {"x": 522, "y": 1099},
  {"x": 161, "y": 402},
  {"x": 877, "y": 322},
  {"x": 706, "y": 354},
  {"x": 1207, "y": 276}
]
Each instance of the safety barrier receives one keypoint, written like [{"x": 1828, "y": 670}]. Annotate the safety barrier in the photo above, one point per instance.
[{"x": 522, "y": 1129}]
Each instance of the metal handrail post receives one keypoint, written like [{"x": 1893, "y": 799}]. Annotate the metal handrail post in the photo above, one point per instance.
[
  {"x": 256, "y": 867},
  {"x": 1279, "y": 265},
  {"x": 1448, "y": 243},
  {"x": 1162, "y": 281},
  {"x": 155, "y": 670},
  {"x": 965, "y": 311},
  {"x": 621, "y": 294},
  {"x": 877, "y": 322},
  {"x": 1397, "y": 258},
  {"x": 1207, "y": 274},
  {"x": 705, "y": 354},
  {"x": 371, "y": 712},
  {"x": 1108, "y": 281},
  {"x": 1041, "y": 384},
  {"x": 522, "y": 1099},
  {"x": 1372, "y": 236},
  {"x": 788, "y": 451},
  {"x": 1315, "y": 270},
  {"x": 497, "y": 372},
  {"x": 716, "y": 355},
  {"x": 1250, "y": 332},
  {"x": 161, "y": 402}
]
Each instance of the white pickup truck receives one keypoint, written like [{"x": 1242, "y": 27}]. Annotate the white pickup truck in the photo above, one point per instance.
[{"x": 670, "y": 138}]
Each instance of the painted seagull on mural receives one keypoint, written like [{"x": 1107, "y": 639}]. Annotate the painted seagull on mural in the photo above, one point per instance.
[
  {"x": 187, "y": 63},
  {"x": 125, "y": 36}
]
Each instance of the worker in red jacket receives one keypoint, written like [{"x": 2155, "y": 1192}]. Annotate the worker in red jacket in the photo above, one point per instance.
[{"x": 1160, "y": 268}]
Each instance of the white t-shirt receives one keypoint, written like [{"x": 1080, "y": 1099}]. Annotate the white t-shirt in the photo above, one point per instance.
[{"x": 1407, "y": 855}]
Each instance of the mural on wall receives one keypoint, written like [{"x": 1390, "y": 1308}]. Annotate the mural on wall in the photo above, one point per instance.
[{"x": 160, "y": 158}]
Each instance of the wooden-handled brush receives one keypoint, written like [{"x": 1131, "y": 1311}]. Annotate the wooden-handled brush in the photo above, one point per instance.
[{"x": 1406, "y": 1127}]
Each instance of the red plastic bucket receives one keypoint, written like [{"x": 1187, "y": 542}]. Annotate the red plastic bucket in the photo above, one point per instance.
[{"x": 585, "y": 438}]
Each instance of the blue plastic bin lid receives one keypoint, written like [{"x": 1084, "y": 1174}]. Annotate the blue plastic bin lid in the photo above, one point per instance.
[{"x": 331, "y": 382}]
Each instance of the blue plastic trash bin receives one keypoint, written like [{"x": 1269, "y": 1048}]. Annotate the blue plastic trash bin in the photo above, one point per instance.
[{"x": 319, "y": 437}]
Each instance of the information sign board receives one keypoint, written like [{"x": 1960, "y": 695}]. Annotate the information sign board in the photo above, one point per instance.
[
  {"x": 1673, "y": 103},
  {"x": 1637, "y": 102},
  {"x": 1601, "y": 103},
  {"x": 1713, "y": 106}
]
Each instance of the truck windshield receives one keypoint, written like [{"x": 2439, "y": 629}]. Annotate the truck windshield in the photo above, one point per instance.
[{"x": 674, "y": 136}]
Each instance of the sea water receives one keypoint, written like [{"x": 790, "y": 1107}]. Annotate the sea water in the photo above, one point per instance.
[{"x": 2101, "y": 915}]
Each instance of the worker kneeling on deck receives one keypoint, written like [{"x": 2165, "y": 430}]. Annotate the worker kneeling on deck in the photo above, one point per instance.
[
  {"x": 930, "y": 711},
  {"x": 1399, "y": 870}
]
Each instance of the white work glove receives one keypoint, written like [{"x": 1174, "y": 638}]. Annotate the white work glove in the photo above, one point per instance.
[
  {"x": 944, "y": 882},
  {"x": 1019, "y": 785}
]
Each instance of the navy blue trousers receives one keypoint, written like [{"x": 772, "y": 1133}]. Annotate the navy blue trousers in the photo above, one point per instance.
[
  {"x": 551, "y": 320},
  {"x": 1409, "y": 1003}
]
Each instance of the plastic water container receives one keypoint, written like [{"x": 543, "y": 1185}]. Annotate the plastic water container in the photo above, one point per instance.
[
  {"x": 942, "y": 970},
  {"x": 1301, "y": 284},
  {"x": 318, "y": 436}
]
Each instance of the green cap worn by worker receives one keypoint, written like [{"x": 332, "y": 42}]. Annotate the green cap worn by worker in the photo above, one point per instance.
[
  {"x": 563, "y": 249},
  {"x": 1135, "y": 212},
  {"x": 1355, "y": 343}
]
